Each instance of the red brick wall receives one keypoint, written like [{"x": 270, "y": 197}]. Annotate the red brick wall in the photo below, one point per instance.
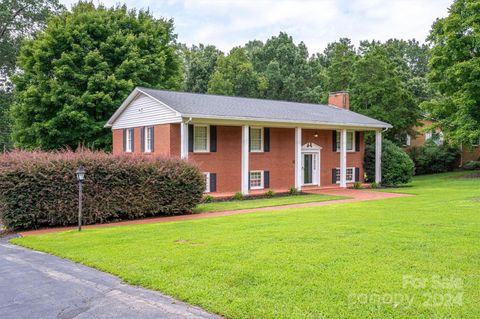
[{"x": 226, "y": 162}]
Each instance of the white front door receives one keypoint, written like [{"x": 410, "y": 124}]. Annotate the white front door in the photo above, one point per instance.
[{"x": 310, "y": 168}]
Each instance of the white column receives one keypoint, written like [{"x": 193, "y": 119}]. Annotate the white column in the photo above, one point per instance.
[
  {"x": 245, "y": 155},
  {"x": 343, "y": 158},
  {"x": 378, "y": 157},
  {"x": 184, "y": 141},
  {"x": 298, "y": 158}
]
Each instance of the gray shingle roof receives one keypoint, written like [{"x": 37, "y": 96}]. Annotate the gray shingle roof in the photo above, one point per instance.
[{"x": 209, "y": 105}]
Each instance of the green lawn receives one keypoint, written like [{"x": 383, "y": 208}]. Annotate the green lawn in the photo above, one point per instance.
[
  {"x": 409, "y": 257},
  {"x": 263, "y": 202}
]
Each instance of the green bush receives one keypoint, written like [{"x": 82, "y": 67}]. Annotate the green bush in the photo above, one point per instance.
[
  {"x": 357, "y": 185},
  {"x": 40, "y": 189},
  {"x": 397, "y": 167},
  {"x": 472, "y": 165},
  {"x": 269, "y": 193},
  {"x": 208, "y": 199},
  {"x": 374, "y": 185},
  {"x": 293, "y": 190},
  {"x": 432, "y": 158},
  {"x": 237, "y": 196}
]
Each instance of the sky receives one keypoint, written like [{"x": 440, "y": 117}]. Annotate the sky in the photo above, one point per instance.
[{"x": 226, "y": 24}]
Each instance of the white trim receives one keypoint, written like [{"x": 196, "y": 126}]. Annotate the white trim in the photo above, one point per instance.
[
  {"x": 207, "y": 182},
  {"x": 262, "y": 180},
  {"x": 378, "y": 157},
  {"x": 245, "y": 160},
  {"x": 315, "y": 167},
  {"x": 353, "y": 150},
  {"x": 353, "y": 174},
  {"x": 207, "y": 150},
  {"x": 147, "y": 147},
  {"x": 343, "y": 158},
  {"x": 183, "y": 140},
  {"x": 298, "y": 158},
  {"x": 129, "y": 143},
  {"x": 262, "y": 139}
]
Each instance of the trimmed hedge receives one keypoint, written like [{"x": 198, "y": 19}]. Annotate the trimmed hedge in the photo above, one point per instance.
[
  {"x": 432, "y": 158},
  {"x": 39, "y": 189},
  {"x": 397, "y": 167},
  {"x": 472, "y": 165}
]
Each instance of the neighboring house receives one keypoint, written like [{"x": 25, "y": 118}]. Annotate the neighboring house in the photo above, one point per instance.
[
  {"x": 424, "y": 133},
  {"x": 246, "y": 144}
]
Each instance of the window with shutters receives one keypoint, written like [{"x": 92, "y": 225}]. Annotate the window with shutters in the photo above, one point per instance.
[
  {"x": 201, "y": 138},
  {"x": 256, "y": 179},
  {"x": 206, "y": 176},
  {"x": 350, "y": 175},
  {"x": 350, "y": 141},
  {"x": 256, "y": 139},
  {"x": 148, "y": 139},
  {"x": 129, "y": 140}
]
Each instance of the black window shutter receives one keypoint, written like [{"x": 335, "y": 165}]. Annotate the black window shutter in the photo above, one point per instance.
[
  {"x": 334, "y": 140},
  {"x": 133, "y": 139},
  {"x": 213, "y": 138},
  {"x": 213, "y": 182},
  {"x": 124, "y": 139},
  {"x": 266, "y": 179},
  {"x": 248, "y": 180},
  {"x": 153, "y": 138},
  {"x": 334, "y": 175},
  {"x": 190, "y": 138},
  {"x": 357, "y": 174},
  {"x": 142, "y": 139},
  {"x": 266, "y": 139},
  {"x": 357, "y": 141},
  {"x": 249, "y": 137}
]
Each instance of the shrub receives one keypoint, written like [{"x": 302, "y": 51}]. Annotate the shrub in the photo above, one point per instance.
[
  {"x": 432, "y": 158},
  {"x": 472, "y": 165},
  {"x": 357, "y": 185},
  {"x": 374, "y": 185},
  {"x": 269, "y": 193},
  {"x": 237, "y": 196},
  {"x": 293, "y": 190},
  {"x": 397, "y": 167},
  {"x": 208, "y": 199},
  {"x": 40, "y": 189}
]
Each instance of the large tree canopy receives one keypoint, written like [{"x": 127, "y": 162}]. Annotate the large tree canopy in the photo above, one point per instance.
[
  {"x": 455, "y": 72},
  {"x": 77, "y": 72},
  {"x": 199, "y": 62}
]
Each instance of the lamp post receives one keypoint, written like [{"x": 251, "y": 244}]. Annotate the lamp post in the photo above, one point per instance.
[{"x": 80, "y": 177}]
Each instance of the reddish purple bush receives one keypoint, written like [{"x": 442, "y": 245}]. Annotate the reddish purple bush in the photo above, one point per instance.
[{"x": 39, "y": 189}]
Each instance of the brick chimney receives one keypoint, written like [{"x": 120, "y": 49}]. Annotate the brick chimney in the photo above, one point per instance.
[{"x": 339, "y": 99}]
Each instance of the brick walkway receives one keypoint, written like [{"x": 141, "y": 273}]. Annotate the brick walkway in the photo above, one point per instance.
[{"x": 356, "y": 196}]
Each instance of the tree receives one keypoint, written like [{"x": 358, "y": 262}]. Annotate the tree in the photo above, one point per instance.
[
  {"x": 79, "y": 70},
  {"x": 19, "y": 19},
  {"x": 378, "y": 92},
  {"x": 200, "y": 62},
  {"x": 234, "y": 75},
  {"x": 339, "y": 60},
  {"x": 455, "y": 72}
]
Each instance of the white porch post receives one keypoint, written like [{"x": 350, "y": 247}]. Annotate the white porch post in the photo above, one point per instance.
[
  {"x": 298, "y": 158},
  {"x": 378, "y": 157},
  {"x": 184, "y": 141},
  {"x": 343, "y": 158},
  {"x": 245, "y": 155}
]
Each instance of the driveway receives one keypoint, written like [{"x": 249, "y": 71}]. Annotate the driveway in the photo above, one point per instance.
[{"x": 38, "y": 285}]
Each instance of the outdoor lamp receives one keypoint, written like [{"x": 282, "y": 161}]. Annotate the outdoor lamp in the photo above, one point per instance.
[
  {"x": 80, "y": 177},
  {"x": 315, "y": 135}
]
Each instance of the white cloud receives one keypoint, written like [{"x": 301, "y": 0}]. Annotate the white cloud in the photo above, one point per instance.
[{"x": 230, "y": 23}]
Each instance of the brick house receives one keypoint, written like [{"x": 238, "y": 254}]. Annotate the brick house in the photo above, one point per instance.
[{"x": 245, "y": 144}]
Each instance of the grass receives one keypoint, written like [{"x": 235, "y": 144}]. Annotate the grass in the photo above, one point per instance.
[
  {"x": 263, "y": 202},
  {"x": 408, "y": 257}
]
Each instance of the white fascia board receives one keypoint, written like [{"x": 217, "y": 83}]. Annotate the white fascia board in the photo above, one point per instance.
[{"x": 227, "y": 120}]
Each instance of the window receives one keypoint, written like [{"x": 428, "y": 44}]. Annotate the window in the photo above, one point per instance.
[
  {"x": 256, "y": 179},
  {"x": 129, "y": 141},
  {"x": 206, "y": 176},
  {"x": 476, "y": 143},
  {"x": 428, "y": 136},
  {"x": 436, "y": 137},
  {"x": 149, "y": 139},
  {"x": 256, "y": 139},
  {"x": 408, "y": 140},
  {"x": 200, "y": 138},
  {"x": 350, "y": 141},
  {"x": 350, "y": 175}
]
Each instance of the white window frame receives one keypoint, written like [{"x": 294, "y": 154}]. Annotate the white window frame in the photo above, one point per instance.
[
  {"x": 207, "y": 182},
  {"x": 348, "y": 181},
  {"x": 261, "y": 186},
  {"x": 339, "y": 144},
  {"x": 408, "y": 140},
  {"x": 129, "y": 140},
  {"x": 262, "y": 139},
  {"x": 428, "y": 135},
  {"x": 148, "y": 141},
  {"x": 195, "y": 149}
]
